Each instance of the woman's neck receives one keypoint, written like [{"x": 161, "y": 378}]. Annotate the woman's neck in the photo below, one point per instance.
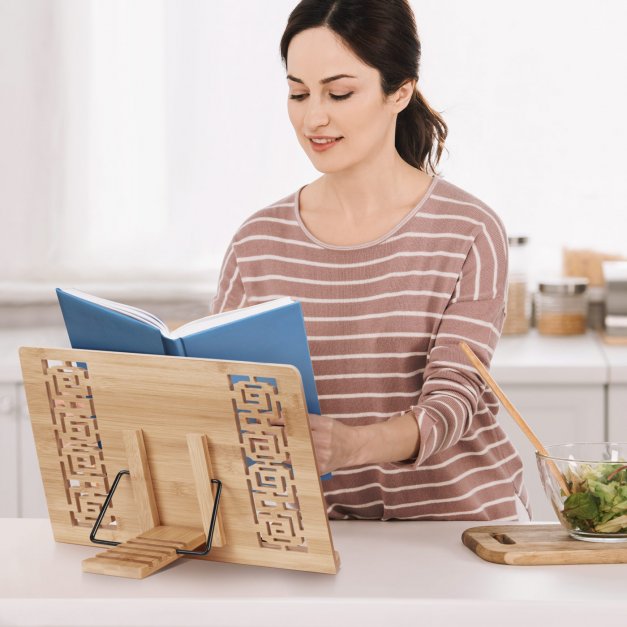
[{"x": 358, "y": 195}]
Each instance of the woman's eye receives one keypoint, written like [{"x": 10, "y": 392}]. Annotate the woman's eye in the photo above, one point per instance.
[
  {"x": 342, "y": 96},
  {"x": 334, "y": 96}
]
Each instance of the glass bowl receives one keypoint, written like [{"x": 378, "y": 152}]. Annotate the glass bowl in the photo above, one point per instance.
[{"x": 595, "y": 473}]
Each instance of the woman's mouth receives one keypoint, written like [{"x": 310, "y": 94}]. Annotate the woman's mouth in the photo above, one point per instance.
[{"x": 322, "y": 144}]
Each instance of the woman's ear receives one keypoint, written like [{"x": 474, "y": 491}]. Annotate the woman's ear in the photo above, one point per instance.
[{"x": 403, "y": 95}]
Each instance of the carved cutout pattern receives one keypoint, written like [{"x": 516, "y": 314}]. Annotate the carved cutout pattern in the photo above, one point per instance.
[
  {"x": 266, "y": 455},
  {"x": 75, "y": 429}
]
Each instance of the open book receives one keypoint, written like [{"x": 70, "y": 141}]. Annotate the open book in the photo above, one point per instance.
[{"x": 271, "y": 332}]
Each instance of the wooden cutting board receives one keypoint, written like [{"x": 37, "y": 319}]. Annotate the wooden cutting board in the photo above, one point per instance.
[{"x": 539, "y": 544}]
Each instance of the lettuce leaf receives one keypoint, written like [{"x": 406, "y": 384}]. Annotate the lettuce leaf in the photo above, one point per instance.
[{"x": 598, "y": 499}]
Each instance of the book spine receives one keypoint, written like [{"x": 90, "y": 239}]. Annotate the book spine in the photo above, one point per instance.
[{"x": 174, "y": 347}]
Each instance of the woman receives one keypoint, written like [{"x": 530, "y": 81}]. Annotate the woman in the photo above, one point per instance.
[{"x": 393, "y": 267}]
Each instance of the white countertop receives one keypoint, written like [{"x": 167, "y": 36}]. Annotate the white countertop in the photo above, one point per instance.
[
  {"x": 525, "y": 359},
  {"x": 542, "y": 359},
  {"x": 392, "y": 573}
]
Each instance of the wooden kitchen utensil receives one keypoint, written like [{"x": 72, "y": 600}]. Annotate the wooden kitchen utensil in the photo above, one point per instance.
[
  {"x": 513, "y": 412},
  {"x": 531, "y": 545},
  {"x": 202, "y": 451}
]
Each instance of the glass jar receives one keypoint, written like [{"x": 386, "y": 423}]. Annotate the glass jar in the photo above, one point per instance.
[
  {"x": 518, "y": 308},
  {"x": 562, "y": 306}
]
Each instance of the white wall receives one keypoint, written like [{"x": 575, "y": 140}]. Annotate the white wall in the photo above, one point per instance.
[
  {"x": 535, "y": 96},
  {"x": 118, "y": 115}
]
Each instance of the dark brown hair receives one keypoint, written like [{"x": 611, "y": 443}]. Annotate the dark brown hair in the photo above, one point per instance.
[{"x": 383, "y": 34}]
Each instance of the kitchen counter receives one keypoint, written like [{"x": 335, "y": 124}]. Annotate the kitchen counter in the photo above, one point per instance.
[
  {"x": 394, "y": 573},
  {"x": 533, "y": 358}
]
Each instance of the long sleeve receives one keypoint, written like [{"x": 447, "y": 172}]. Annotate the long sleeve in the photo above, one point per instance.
[
  {"x": 452, "y": 391},
  {"x": 230, "y": 292}
]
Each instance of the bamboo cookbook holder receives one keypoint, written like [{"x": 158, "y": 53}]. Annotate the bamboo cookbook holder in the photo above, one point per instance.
[{"x": 159, "y": 457}]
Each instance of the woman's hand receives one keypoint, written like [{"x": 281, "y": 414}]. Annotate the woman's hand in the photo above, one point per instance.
[
  {"x": 340, "y": 446},
  {"x": 336, "y": 444}
]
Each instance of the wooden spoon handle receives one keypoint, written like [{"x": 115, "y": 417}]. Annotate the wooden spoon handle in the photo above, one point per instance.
[{"x": 513, "y": 412}]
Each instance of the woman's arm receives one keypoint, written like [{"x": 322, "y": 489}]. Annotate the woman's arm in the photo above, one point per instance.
[
  {"x": 394, "y": 440},
  {"x": 451, "y": 389},
  {"x": 340, "y": 446}
]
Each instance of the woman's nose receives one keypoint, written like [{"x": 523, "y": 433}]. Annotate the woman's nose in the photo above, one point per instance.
[{"x": 316, "y": 114}]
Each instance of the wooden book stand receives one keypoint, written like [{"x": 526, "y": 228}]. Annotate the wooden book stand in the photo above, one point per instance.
[{"x": 212, "y": 474}]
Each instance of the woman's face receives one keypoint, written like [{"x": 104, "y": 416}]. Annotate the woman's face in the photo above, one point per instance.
[{"x": 333, "y": 94}]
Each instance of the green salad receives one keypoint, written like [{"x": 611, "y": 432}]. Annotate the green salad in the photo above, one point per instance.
[{"x": 598, "y": 499}]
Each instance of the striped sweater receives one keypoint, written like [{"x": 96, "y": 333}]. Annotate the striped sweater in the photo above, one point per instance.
[{"x": 384, "y": 320}]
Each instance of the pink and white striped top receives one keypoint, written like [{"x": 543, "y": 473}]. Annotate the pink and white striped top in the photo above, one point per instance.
[{"x": 384, "y": 320}]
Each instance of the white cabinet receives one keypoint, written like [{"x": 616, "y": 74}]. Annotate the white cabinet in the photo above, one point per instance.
[
  {"x": 617, "y": 413},
  {"x": 557, "y": 414},
  {"x": 8, "y": 451},
  {"x": 21, "y": 487},
  {"x": 617, "y": 393},
  {"x": 32, "y": 499}
]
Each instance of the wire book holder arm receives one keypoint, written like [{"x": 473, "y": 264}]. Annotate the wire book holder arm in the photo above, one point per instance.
[{"x": 105, "y": 506}]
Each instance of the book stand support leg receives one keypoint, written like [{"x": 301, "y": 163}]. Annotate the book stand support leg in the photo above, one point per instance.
[{"x": 159, "y": 545}]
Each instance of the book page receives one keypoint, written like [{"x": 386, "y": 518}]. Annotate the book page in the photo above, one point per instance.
[{"x": 127, "y": 310}]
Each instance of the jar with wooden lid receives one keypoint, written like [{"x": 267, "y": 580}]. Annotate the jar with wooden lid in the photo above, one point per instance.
[
  {"x": 518, "y": 308},
  {"x": 562, "y": 306}
]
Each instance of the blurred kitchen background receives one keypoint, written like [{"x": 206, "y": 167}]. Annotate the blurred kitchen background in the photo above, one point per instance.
[{"x": 137, "y": 135}]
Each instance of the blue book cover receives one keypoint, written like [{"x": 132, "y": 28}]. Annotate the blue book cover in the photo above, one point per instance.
[
  {"x": 272, "y": 332},
  {"x": 92, "y": 325}
]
